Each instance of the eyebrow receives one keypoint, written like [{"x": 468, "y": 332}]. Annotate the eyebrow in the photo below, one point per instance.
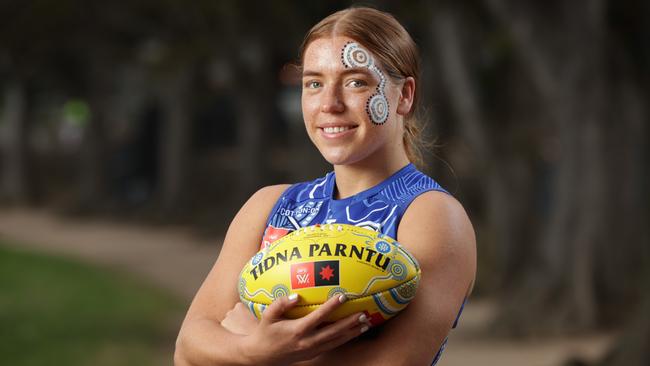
[{"x": 357, "y": 70}]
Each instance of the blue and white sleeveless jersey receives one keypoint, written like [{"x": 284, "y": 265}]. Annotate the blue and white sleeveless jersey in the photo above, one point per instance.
[{"x": 379, "y": 208}]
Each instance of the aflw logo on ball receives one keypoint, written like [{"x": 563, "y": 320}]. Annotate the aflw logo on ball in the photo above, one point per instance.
[{"x": 313, "y": 274}]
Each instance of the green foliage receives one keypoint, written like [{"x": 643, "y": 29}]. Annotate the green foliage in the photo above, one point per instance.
[
  {"x": 77, "y": 112},
  {"x": 56, "y": 311}
]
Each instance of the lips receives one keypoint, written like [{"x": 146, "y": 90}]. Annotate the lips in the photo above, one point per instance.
[{"x": 336, "y": 131}]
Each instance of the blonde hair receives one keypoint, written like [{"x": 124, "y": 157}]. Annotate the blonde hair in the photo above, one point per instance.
[{"x": 387, "y": 39}]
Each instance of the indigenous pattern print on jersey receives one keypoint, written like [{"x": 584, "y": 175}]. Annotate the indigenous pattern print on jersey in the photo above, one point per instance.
[{"x": 379, "y": 208}]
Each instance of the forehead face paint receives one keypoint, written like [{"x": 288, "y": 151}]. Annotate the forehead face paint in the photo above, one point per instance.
[{"x": 377, "y": 107}]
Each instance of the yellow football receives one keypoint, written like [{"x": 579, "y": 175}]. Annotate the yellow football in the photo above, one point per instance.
[{"x": 378, "y": 275}]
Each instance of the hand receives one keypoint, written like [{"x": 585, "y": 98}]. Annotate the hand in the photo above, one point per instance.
[
  {"x": 280, "y": 341},
  {"x": 239, "y": 320}
]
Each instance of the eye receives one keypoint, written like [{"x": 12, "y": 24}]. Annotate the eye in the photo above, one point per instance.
[
  {"x": 356, "y": 83},
  {"x": 313, "y": 84}
]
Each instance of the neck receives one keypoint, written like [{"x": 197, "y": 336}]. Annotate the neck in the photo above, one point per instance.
[{"x": 357, "y": 177}]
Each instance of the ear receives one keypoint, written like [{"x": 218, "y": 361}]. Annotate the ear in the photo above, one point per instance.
[{"x": 407, "y": 93}]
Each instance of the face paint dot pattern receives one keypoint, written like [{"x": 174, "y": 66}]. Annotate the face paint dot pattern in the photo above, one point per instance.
[
  {"x": 377, "y": 106},
  {"x": 360, "y": 57},
  {"x": 355, "y": 56},
  {"x": 382, "y": 79}
]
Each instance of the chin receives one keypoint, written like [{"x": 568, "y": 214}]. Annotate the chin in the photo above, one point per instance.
[
  {"x": 343, "y": 155},
  {"x": 340, "y": 159},
  {"x": 334, "y": 159}
]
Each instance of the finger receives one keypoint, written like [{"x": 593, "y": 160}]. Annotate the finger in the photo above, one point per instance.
[
  {"x": 279, "y": 307},
  {"x": 319, "y": 315},
  {"x": 340, "y": 327}
]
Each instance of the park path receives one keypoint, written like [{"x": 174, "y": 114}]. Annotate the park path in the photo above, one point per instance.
[
  {"x": 177, "y": 260},
  {"x": 170, "y": 257}
]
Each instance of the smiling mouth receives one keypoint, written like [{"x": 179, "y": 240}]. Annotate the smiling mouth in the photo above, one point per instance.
[{"x": 337, "y": 129}]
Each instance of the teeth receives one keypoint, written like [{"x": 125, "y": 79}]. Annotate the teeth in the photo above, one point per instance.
[{"x": 335, "y": 129}]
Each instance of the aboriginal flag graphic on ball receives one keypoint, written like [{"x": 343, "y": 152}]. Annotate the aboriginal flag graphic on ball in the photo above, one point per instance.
[{"x": 311, "y": 274}]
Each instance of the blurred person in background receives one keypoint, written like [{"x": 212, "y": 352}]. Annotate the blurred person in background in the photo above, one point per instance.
[{"x": 360, "y": 73}]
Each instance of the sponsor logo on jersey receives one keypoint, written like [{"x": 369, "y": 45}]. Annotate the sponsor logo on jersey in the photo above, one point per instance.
[
  {"x": 272, "y": 234},
  {"x": 299, "y": 211},
  {"x": 314, "y": 274}
]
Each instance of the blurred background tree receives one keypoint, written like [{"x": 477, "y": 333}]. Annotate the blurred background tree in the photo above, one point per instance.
[{"x": 172, "y": 111}]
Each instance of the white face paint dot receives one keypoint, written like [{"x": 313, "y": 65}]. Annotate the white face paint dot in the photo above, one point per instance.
[
  {"x": 359, "y": 56},
  {"x": 382, "y": 79},
  {"x": 378, "y": 109},
  {"x": 355, "y": 56}
]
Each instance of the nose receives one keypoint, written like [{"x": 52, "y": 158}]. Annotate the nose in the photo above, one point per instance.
[{"x": 332, "y": 102}]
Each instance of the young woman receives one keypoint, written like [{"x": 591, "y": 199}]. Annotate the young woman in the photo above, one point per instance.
[{"x": 360, "y": 72}]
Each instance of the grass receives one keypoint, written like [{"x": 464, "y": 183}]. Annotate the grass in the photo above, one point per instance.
[{"x": 55, "y": 311}]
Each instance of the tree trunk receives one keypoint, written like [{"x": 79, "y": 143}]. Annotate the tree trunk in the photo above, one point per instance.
[
  {"x": 504, "y": 204},
  {"x": 15, "y": 152},
  {"x": 254, "y": 110},
  {"x": 175, "y": 141},
  {"x": 93, "y": 162},
  {"x": 560, "y": 286},
  {"x": 629, "y": 154}
]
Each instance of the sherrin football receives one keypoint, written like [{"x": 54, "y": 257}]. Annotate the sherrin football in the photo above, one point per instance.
[{"x": 378, "y": 275}]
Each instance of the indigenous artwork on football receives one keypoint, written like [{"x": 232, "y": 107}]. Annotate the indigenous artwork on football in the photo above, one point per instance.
[{"x": 378, "y": 276}]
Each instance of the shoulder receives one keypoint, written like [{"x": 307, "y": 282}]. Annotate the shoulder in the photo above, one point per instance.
[
  {"x": 218, "y": 293},
  {"x": 407, "y": 185},
  {"x": 268, "y": 195},
  {"x": 439, "y": 204},
  {"x": 260, "y": 203},
  {"x": 251, "y": 219},
  {"x": 439, "y": 213},
  {"x": 436, "y": 229}
]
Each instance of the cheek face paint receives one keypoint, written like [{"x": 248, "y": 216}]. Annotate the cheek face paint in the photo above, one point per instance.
[{"x": 377, "y": 106}]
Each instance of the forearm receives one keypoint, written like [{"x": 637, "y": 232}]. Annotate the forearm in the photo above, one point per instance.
[
  {"x": 380, "y": 347},
  {"x": 203, "y": 342}
]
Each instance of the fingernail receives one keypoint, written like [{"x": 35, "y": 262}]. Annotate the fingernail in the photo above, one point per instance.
[
  {"x": 364, "y": 329},
  {"x": 343, "y": 298},
  {"x": 293, "y": 297},
  {"x": 363, "y": 318}
]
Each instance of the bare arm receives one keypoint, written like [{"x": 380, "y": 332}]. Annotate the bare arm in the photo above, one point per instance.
[
  {"x": 436, "y": 230},
  {"x": 203, "y": 340}
]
